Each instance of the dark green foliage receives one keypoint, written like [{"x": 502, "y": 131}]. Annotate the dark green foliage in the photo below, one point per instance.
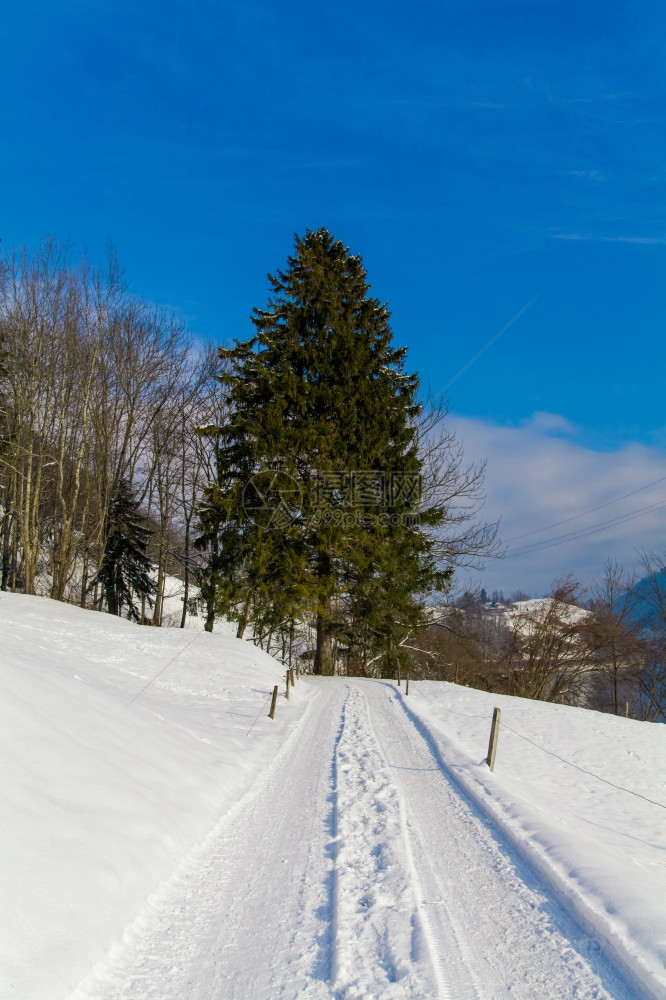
[
  {"x": 125, "y": 567},
  {"x": 322, "y": 432}
]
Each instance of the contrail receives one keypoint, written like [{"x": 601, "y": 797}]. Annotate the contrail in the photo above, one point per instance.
[{"x": 492, "y": 341}]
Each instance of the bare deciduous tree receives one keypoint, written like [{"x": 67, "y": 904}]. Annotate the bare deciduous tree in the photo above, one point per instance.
[
  {"x": 612, "y": 634},
  {"x": 93, "y": 392},
  {"x": 550, "y": 659}
]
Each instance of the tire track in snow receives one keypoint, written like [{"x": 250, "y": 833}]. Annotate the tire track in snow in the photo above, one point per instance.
[
  {"x": 453, "y": 964},
  {"x": 380, "y": 942},
  {"x": 511, "y": 935}
]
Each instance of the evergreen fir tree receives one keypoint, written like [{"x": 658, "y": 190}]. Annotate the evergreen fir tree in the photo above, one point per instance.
[
  {"x": 319, "y": 398},
  {"x": 125, "y": 567}
]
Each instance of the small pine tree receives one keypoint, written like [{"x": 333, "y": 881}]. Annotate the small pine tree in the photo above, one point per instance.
[{"x": 125, "y": 567}]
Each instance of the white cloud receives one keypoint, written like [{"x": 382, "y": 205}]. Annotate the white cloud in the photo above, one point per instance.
[
  {"x": 539, "y": 475},
  {"x": 550, "y": 422}
]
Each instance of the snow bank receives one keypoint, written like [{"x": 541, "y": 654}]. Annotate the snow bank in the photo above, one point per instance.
[
  {"x": 121, "y": 746},
  {"x": 581, "y": 794}
]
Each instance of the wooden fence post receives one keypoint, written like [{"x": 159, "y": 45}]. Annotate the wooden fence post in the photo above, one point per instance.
[
  {"x": 291, "y": 677},
  {"x": 287, "y": 685},
  {"x": 494, "y": 734},
  {"x": 407, "y": 686},
  {"x": 271, "y": 714}
]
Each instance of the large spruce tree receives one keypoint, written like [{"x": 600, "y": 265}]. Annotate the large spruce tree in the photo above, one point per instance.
[{"x": 317, "y": 507}]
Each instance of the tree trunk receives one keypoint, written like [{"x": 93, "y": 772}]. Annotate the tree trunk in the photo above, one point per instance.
[
  {"x": 84, "y": 577},
  {"x": 186, "y": 592},
  {"x": 210, "y": 610},
  {"x": 211, "y": 588},
  {"x": 112, "y": 602},
  {"x": 6, "y": 551},
  {"x": 186, "y": 585},
  {"x": 13, "y": 558},
  {"x": 157, "y": 613},
  {"x": 322, "y": 660},
  {"x": 243, "y": 620}
]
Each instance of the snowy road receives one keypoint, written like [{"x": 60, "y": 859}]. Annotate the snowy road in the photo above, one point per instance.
[{"x": 354, "y": 869}]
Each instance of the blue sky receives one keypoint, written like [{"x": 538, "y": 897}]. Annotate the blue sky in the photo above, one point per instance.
[{"x": 475, "y": 154}]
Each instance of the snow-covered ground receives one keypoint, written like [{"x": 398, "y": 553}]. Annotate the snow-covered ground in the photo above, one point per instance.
[
  {"x": 581, "y": 795},
  {"x": 162, "y": 839},
  {"x": 107, "y": 786}
]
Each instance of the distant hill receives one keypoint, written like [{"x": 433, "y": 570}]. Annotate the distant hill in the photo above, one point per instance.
[{"x": 645, "y": 609}]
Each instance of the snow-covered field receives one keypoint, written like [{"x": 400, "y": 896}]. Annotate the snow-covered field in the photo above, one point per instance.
[
  {"x": 162, "y": 839},
  {"x": 581, "y": 794}
]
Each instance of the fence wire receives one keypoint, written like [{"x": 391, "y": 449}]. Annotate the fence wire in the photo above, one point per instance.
[{"x": 551, "y": 753}]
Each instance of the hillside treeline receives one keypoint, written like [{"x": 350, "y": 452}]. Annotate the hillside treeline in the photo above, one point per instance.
[
  {"x": 604, "y": 648},
  {"x": 96, "y": 386}
]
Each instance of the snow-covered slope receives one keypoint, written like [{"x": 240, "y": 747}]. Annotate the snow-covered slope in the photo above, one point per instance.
[
  {"x": 581, "y": 794},
  {"x": 107, "y": 785},
  {"x": 123, "y": 747}
]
